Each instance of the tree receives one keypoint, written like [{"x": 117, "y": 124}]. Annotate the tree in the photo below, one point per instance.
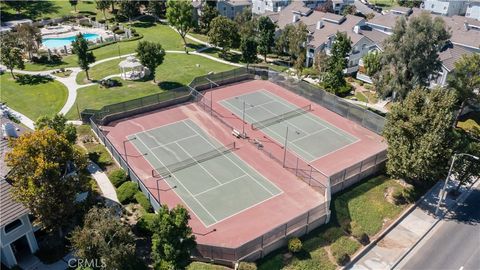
[
  {"x": 247, "y": 24},
  {"x": 334, "y": 80},
  {"x": 59, "y": 124},
  {"x": 85, "y": 57},
  {"x": 46, "y": 173},
  {"x": 129, "y": 8},
  {"x": 410, "y": 55},
  {"x": 349, "y": 10},
  {"x": 73, "y": 3},
  {"x": 172, "y": 240},
  {"x": 266, "y": 36},
  {"x": 321, "y": 62},
  {"x": 180, "y": 15},
  {"x": 103, "y": 5},
  {"x": 11, "y": 52},
  {"x": 300, "y": 63},
  {"x": 326, "y": 6},
  {"x": 223, "y": 33},
  {"x": 208, "y": 14},
  {"x": 157, "y": 8},
  {"x": 18, "y": 6},
  {"x": 466, "y": 170},
  {"x": 298, "y": 39},
  {"x": 282, "y": 43},
  {"x": 465, "y": 79},
  {"x": 104, "y": 239},
  {"x": 151, "y": 55},
  {"x": 420, "y": 136},
  {"x": 29, "y": 37},
  {"x": 248, "y": 47},
  {"x": 371, "y": 62}
]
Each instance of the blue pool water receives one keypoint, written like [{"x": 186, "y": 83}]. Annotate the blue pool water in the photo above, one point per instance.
[{"x": 60, "y": 42}]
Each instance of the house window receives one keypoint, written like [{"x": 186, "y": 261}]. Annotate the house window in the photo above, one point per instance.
[
  {"x": 13, "y": 225},
  {"x": 444, "y": 7},
  {"x": 433, "y": 5}
]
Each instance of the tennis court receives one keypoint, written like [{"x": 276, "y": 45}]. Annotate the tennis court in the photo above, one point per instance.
[
  {"x": 209, "y": 177},
  {"x": 308, "y": 136}
]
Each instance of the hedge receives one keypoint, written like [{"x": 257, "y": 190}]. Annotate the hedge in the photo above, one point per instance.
[
  {"x": 247, "y": 266},
  {"x": 126, "y": 192},
  {"x": 97, "y": 46},
  {"x": 118, "y": 177},
  {"x": 143, "y": 201}
]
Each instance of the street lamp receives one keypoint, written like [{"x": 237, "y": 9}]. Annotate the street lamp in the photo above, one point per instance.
[{"x": 442, "y": 192}]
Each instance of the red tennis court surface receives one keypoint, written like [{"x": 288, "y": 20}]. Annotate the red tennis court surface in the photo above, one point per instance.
[{"x": 297, "y": 203}]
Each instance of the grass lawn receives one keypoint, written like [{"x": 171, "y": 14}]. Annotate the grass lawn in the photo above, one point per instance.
[
  {"x": 201, "y": 37},
  {"x": 359, "y": 96},
  {"x": 35, "y": 97},
  {"x": 470, "y": 122},
  {"x": 229, "y": 56},
  {"x": 205, "y": 266},
  {"x": 386, "y": 4},
  {"x": 177, "y": 70},
  {"x": 161, "y": 33},
  {"x": 364, "y": 204}
]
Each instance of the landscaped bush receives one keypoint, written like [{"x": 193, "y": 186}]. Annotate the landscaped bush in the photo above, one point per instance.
[
  {"x": 86, "y": 24},
  {"x": 119, "y": 31},
  {"x": 43, "y": 59},
  {"x": 398, "y": 197},
  {"x": 247, "y": 266},
  {"x": 143, "y": 201},
  {"x": 294, "y": 245},
  {"x": 359, "y": 234},
  {"x": 126, "y": 192},
  {"x": 309, "y": 72},
  {"x": 368, "y": 86},
  {"x": 117, "y": 177},
  {"x": 101, "y": 21},
  {"x": 145, "y": 224}
]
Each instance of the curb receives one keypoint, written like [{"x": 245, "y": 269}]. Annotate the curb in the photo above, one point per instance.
[
  {"x": 455, "y": 205},
  {"x": 382, "y": 234}
]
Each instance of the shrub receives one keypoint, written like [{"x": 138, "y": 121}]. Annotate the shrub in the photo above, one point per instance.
[
  {"x": 117, "y": 177},
  {"x": 143, "y": 201},
  {"x": 294, "y": 245},
  {"x": 361, "y": 83},
  {"x": 119, "y": 31},
  {"x": 359, "y": 234},
  {"x": 398, "y": 197},
  {"x": 86, "y": 24},
  {"x": 343, "y": 259},
  {"x": 343, "y": 248},
  {"x": 247, "y": 266},
  {"x": 145, "y": 224},
  {"x": 101, "y": 21},
  {"x": 126, "y": 192},
  {"x": 344, "y": 90},
  {"x": 309, "y": 72},
  {"x": 368, "y": 86}
]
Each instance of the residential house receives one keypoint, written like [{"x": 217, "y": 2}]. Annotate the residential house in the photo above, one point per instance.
[
  {"x": 231, "y": 8},
  {"x": 322, "y": 28},
  {"x": 473, "y": 10},
  {"x": 465, "y": 39},
  {"x": 197, "y": 9},
  {"x": 446, "y": 7},
  {"x": 263, "y": 6},
  {"x": 17, "y": 238},
  {"x": 339, "y": 5}
]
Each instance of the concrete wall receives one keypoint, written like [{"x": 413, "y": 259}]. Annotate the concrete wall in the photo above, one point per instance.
[
  {"x": 262, "y": 6},
  {"x": 446, "y": 8},
  {"x": 6, "y": 239},
  {"x": 228, "y": 10}
]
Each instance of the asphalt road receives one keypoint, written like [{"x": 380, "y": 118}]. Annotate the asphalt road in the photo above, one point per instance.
[{"x": 454, "y": 244}]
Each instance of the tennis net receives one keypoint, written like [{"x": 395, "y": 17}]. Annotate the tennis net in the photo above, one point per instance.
[
  {"x": 178, "y": 166},
  {"x": 280, "y": 118}
]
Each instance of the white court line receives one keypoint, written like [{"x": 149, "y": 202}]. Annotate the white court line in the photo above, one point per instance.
[
  {"x": 198, "y": 163},
  {"x": 158, "y": 127},
  {"x": 315, "y": 118},
  {"x": 310, "y": 134},
  {"x": 242, "y": 95},
  {"x": 183, "y": 187},
  {"x": 222, "y": 184},
  {"x": 174, "y": 142},
  {"x": 274, "y": 132},
  {"x": 234, "y": 163}
]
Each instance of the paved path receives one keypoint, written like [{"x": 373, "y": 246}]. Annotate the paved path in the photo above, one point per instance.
[
  {"x": 22, "y": 118},
  {"x": 399, "y": 241},
  {"x": 108, "y": 190}
]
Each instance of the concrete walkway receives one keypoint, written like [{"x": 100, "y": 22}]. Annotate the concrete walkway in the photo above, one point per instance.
[
  {"x": 108, "y": 190},
  {"x": 399, "y": 239},
  {"x": 22, "y": 118}
]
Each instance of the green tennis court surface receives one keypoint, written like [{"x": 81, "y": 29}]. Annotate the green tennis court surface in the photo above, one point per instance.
[
  {"x": 214, "y": 189},
  {"x": 309, "y": 136}
]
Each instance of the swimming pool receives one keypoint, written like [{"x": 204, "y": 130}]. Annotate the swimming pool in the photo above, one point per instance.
[{"x": 60, "y": 42}]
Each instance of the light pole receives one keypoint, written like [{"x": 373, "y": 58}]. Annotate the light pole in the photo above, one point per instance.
[
  {"x": 243, "y": 114},
  {"x": 285, "y": 147},
  {"x": 125, "y": 148},
  {"x": 442, "y": 192}
]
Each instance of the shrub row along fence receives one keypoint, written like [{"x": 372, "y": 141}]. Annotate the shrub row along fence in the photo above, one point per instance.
[{"x": 266, "y": 243}]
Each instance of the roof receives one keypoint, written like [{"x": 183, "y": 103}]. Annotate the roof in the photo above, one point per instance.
[
  {"x": 364, "y": 9},
  {"x": 237, "y": 2},
  {"x": 404, "y": 10},
  {"x": 285, "y": 16},
  {"x": 451, "y": 54},
  {"x": 374, "y": 35},
  {"x": 387, "y": 21},
  {"x": 11, "y": 210}
]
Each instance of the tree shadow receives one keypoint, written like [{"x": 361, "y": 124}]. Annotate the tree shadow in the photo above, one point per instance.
[
  {"x": 467, "y": 212},
  {"x": 195, "y": 46},
  {"x": 24, "y": 79},
  {"x": 85, "y": 12},
  {"x": 140, "y": 24},
  {"x": 36, "y": 9},
  {"x": 169, "y": 85}
]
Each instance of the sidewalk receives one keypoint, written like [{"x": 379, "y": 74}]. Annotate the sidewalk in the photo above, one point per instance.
[
  {"x": 402, "y": 237},
  {"x": 104, "y": 184}
]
